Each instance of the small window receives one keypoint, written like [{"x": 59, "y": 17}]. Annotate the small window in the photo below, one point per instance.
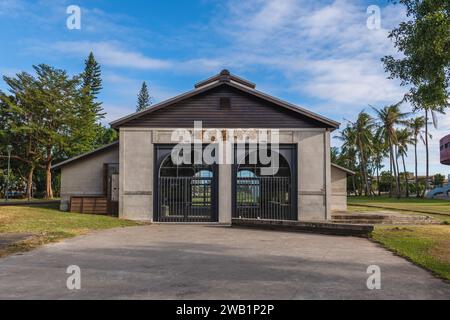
[{"x": 225, "y": 103}]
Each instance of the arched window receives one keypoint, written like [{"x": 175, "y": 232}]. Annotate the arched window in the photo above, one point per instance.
[{"x": 169, "y": 169}]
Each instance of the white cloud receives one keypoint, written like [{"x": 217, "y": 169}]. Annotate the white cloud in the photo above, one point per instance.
[
  {"x": 112, "y": 54},
  {"x": 324, "y": 50},
  {"x": 350, "y": 82}
]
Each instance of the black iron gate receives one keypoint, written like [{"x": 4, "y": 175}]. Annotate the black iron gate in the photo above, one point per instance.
[
  {"x": 264, "y": 198},
  {"x": 184, "y": 193},
  {"x": 185, "y": 199},
  {"x": 273, "y": 197}
]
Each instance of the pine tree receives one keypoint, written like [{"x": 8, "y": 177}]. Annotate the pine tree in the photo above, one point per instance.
[
  {"x": 90, "y": 109},
  {"x": 91, "y": 76},
  {"x": 144, "y": 100}
]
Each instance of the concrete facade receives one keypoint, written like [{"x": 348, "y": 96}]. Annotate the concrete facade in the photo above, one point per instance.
[
  {"x": 338, "y": 189},
  {"x": 321, "y": 187},
  {"x": 137, "y": 161},
  {"x": 85, "y": 177}
]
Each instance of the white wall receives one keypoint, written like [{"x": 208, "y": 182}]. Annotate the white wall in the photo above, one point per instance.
[
  {"x": 338, "y": 189},
  {"x": 85, "y": 176}
]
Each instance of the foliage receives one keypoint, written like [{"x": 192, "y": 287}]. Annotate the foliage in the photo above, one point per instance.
[
  {"x": 424, "y": 41},
  {"x": 424, "y": 66},
  {"x": 438, "y": 180},
  {"x": 144, "y": 100},
  {"x": 50, "y": 116}
]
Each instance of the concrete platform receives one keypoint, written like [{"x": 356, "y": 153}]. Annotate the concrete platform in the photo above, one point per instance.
[
  {"x": 330, "y": 228},
  {"x": 382, "y": 217}
]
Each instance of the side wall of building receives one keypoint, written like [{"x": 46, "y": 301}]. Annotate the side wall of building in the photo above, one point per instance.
[
  {"x": 338, "y": 189},
  {"x": 85, "y": 177}
]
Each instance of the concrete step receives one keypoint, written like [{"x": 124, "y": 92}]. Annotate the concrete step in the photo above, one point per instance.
[
  {"x": 343, "y": 229},
  {"x": 362, "y": 218}
]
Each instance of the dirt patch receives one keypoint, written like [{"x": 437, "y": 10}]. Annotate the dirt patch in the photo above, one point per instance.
[
  {"x": 442, "y": 251},
  {"x": 7, "y": 239}
]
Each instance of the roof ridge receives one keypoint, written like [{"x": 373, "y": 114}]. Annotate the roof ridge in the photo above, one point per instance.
[{"x": 225, "y": 76}]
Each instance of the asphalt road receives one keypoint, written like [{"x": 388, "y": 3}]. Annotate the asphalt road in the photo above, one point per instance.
[{"x": 213, "y": 262}]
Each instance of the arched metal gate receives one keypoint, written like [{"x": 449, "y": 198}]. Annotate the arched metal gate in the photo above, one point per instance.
[
  {"x": 259, "y": 196},
  {"x": 186, "y": 192}
]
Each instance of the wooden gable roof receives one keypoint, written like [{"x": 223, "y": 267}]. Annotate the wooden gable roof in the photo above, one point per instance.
[{"x": 248, "y": 108}]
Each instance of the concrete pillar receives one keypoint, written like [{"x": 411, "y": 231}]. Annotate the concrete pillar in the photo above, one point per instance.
[
  {"x": 327, "y": 169},
  {"x": 311, "y": 164},
  {"x": 225, "y": 193},
  {"x": 136, "y": 174}
]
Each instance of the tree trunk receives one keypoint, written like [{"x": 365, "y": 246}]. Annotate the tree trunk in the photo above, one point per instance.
[
  {"x": 399, "y": 192},
  {"x": 378, "y": 180},
  {"x": 415, "y": 164},
  {"x": 48, "y": 175},
  {"x": 30, "y": 182},
  {"x": 48, "y": 181},
  {"x": 363, "y": 175},
  {"x": 427, "y": 152},
  {"x": 391, "y": 173},
  {"x": 354, "y": 184},
  {"x": 406, "y": 177}
]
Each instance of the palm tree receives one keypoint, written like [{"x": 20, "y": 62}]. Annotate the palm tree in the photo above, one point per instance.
[
  {"x": 379, "y": 152},
  {"x": 403, "y": 140},
  {"x": 417, "y": 125},
  {"x": 364, "y": 126},
  {"x": 348, "y": 149},
  {"x": 433, "y": 110},
  {"x": 359, "y": 136},
  {"x": 388, "y": 119}
]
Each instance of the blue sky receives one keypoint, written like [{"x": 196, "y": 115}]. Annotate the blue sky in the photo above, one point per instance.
[{"x": 317, "y": 54}]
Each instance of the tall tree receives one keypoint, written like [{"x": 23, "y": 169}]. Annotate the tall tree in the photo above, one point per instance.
[
  {"x": 144, "y": 100},
  {"x": 404, "y": 139},
  {"x": 379, "y": 152},
  {"x": 90, "y": 111},
  {"x": 388, "y": 119},
  {"x": 92, "y": 77},
  {"x": 349, "y": 152},
  {"x": 57, "y": 103},
  {"x": 18, "y": 124},
  {"x": 424, "y": 41},
  {"x": 363, "y": 140},
  {"x": 417, "y": 131}
]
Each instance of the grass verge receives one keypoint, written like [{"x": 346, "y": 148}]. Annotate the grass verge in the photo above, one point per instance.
[
  {"x": 48, "y": 224},
  {"x": 432, "y": 206},
  {"x": 427, "y": 246}
]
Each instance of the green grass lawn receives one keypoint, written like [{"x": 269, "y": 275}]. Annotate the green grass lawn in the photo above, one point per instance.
[
  {"x": 48, "y": 224},
  {"x": 410, "y": 204},
  {"x": 425, "y": 245},
  {"x": 3, "y": 200}
]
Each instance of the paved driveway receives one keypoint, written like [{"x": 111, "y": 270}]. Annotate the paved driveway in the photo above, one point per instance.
[{"x": 208, "y": 262}]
